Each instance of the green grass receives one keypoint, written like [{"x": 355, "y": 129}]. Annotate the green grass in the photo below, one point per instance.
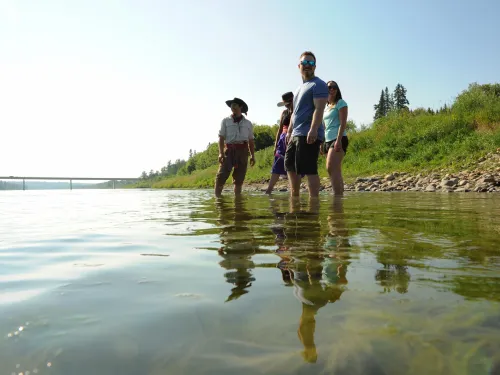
[{"x": 415, "y": 141}]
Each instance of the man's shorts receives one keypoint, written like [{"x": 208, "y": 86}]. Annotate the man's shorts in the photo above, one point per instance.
[
  {"x": 236, "y": 161},
  {"x": 301, "y": 157},
  {"x": 345, "y": 143}
]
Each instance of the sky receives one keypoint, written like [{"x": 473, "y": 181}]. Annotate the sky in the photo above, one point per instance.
[{"x": 112, "y": 88}]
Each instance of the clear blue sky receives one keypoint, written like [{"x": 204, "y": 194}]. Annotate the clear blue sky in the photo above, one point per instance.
[{"x": 116, "y": 87}]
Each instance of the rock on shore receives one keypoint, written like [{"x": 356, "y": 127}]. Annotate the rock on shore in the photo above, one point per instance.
[{"x": 484, "y": 177}]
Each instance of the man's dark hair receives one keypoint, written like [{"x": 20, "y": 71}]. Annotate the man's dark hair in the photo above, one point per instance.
[{"x": 307, "y": 53}]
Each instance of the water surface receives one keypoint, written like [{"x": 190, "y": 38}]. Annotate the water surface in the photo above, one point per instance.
[{"x": 177, "y": 282}]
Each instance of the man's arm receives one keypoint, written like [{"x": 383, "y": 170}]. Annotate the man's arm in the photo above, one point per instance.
[
  {"x": 222, "y": 139},
  {"x": 319, "y": 109},
  {"x": 251, "y": 145},
  {"x": 290, "y": 129},
  {"x": 317, "y": 119},
  {"x": 221, "y": 149}
]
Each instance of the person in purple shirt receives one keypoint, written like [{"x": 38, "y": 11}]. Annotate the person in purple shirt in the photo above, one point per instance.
[
  {"x": 278, "y": 168},
  {"x": 306, "y": 132}
]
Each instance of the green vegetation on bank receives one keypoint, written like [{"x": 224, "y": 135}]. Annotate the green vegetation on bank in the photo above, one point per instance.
[{"x": 417, "y": 140}]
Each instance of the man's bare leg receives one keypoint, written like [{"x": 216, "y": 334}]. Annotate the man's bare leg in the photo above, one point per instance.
[
  {"x": 307, "y": 328},
  {"x": 314, "y": 184},
  {"x": 294, "y": 181},
  {"x": 237, "y": 189},
  {"x": 218, "y": 188}
]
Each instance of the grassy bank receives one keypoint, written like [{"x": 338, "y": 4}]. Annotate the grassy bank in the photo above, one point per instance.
[{"x": 410, "y": 141}]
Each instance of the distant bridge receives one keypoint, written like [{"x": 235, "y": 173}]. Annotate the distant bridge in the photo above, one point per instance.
[{"x": 113, "y": 179}]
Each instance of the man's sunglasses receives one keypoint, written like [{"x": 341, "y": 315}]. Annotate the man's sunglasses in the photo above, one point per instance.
[
  {"x": 332, "y": 87},
  {"x": 306, "y": 62}
]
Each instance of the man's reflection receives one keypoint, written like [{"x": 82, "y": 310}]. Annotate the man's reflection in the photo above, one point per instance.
[
  {"x": 317, "y": 272},
  {"x": 392, "y": 276},
  {"x": 237, "y": 244}
]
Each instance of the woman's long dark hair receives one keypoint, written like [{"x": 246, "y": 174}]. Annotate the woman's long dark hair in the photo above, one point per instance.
[{"x": 339, "y": 94}]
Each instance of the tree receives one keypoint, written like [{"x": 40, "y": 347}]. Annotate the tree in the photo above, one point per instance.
[
  {"x": 350, "y": 126},
  {"x": 264, "y": 136},
  {"x": 400, "y": 100},
  {"x": 380, "y": 107},
  {"x": 190, "y": 166},
  {"x": 190, "y": 154},
  {"x": 144, "y": 175},
  {"x": 389, "y": 101}
]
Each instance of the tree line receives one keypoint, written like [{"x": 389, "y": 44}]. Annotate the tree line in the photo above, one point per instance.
[
  {"x": 388, "y": 102},
  {"x": 264, "y": 136},
  {"x": 397, "y": 101}
]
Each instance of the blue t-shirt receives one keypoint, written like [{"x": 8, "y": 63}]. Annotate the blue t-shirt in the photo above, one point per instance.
[
  {"x": 332, "y": 121},
  {"x": 303, "y": 106}
]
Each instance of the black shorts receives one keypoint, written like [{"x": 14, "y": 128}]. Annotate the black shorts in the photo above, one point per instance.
[
  {"x": 302, "y": 157},
  {"x": 345, "y": 143}
]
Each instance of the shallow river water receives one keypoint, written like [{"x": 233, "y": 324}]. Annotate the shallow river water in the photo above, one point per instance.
[{"x": 178, "y": 282}]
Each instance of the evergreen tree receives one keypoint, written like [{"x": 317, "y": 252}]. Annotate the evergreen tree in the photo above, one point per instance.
[
  {"x": 400, "y": 100},
  {"x": 389, "y": 101},
  {"x": 380, "y": 107}
]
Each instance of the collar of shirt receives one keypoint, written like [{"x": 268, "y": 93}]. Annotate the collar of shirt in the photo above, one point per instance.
[{"x": 237, "y": 119}]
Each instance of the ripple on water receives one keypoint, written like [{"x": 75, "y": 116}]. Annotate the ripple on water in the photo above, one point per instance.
[{"x": 180, "y": 282}]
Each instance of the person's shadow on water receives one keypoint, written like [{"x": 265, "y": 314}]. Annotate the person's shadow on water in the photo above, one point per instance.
[{"x": 317, "y": 272}]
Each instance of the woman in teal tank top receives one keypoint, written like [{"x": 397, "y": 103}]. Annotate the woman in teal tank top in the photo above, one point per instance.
[{"x": 336, "y": 142}]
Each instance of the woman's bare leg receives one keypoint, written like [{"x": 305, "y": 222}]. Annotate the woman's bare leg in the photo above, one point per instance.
[
  {"x": 334, "y": 167},
  {"x": 274, "y": 178}
]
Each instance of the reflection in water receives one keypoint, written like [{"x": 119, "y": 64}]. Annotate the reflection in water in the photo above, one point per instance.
[
  {"x": 316, "y": 272},
  {"x": 140, "y": 313},
  {"x": 393, "y": 277},
  {"x": 237, "y": 242},
  {"x": 317, "y": 242}
]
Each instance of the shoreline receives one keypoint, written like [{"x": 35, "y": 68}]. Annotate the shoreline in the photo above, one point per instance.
[{"x": 483, "y": 178}]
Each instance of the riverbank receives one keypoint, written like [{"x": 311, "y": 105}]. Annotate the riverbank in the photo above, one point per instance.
[
  {"x": 483, "y": 177},
  {"x": 452, "y": 149}
]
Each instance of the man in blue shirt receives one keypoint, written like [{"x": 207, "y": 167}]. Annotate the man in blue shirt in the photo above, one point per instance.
[{"x": 306, "y": 131}]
